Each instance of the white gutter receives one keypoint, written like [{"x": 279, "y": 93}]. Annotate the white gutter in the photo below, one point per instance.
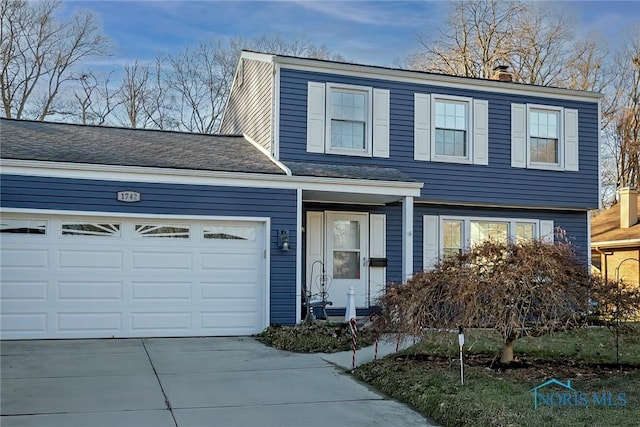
[{"x": 199, "y": 177}]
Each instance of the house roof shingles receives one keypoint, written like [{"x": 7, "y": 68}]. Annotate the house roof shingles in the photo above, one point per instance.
[
  {"x": 348, "y": 171},
  {"x": 606, "y": 227},
  {"x": 71, "y": 143}
]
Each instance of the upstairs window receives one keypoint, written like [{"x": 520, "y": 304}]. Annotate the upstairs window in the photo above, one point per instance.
[
  {"x": 348, "y": 111},
  {"x": 544, "y": 136},
  {"x": 347, "y": 119},
  {"x": 451, "y": 128}
]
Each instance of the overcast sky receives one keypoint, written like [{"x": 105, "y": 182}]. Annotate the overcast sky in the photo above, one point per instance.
[{"x": 369, "y": 32}]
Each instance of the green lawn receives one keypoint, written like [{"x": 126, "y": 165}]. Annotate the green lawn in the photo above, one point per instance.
[{"x": 427, "y": 377}]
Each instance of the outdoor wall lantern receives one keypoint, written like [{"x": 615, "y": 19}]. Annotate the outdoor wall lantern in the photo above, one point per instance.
[{"x": 283, "y": 240}]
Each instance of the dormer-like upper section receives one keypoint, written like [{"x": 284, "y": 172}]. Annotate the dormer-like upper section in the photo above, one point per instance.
[{"x": 445, "y": 131}]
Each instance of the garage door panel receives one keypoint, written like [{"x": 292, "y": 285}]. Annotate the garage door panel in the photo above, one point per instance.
[
  {"x": 23, "y": 291},
  {"x": 162, "y": 260},
  {"x": 238, "y": 276},
  {"x": 15, "y": 325},
  {"x": 155, "y": 290},
  {"x": 141, "y": 321},
  {"x": 230, "y": 290},
  {"x": 24, "y": 258},
  {"x": 73, "y": 322},
  {"x": 90, "y": 259},
  {"x": 90, "y": 291},
  {"x": 224, "y": 260},
  {"x": 213, "y": 320},
  {"x": 126, "y": 285}
]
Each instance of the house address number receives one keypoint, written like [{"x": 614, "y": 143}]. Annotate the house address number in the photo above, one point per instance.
[{"x": 128, "y": 196}]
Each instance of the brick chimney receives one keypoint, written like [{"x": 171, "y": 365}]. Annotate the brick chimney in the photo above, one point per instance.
[
  {"x": 628, "y": 207},
  {"x": 501, "y": 72}
]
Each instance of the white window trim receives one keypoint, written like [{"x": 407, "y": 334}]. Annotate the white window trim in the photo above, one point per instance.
[
  {"x": 469, "y": 129},
  {"x": 368, "y": 138},
  {"x": 561, "y": 143}
]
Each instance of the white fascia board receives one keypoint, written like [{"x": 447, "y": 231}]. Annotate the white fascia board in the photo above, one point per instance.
[
  {"x": 275, "y": 112},
  {"x": 256, "y": 56},
  {"x": 494, "y": 86},
  {"x": 501, "y": 206},
  {"x": 266, "y": 152},
  {"x": 111, "y": 214},
  {"x": 627, "y": 243},
  {"x": 195, "y": 177}
]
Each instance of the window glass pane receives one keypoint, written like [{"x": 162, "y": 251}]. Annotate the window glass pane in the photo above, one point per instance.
[
  {"x": 346, "y": 265},
  {"x": 90, "y": 229},
  {"x": 23, "y": 226},
  {"x": 219, "y": 232},
  {"x": 451, "y": 128},
  {"x": 346, "y": 234},
  {"x": 543, "y": 150},
  {"x": 486, "y": 230},
  {"x": 525, "y": 231},
  {"x": 348, "y": 119},
  {"x": 162, "y": 231},
  {"x": 452, "y": 237},
  {"x": 450, "y": 142}
]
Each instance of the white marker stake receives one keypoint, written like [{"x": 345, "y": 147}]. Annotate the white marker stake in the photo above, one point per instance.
[{"x": 461, "y": 342}]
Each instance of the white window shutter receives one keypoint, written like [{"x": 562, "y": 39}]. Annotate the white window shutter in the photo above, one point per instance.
[
  {"x": 422, "y": 127},
  {"x": 431, "y": 243},
  {"x": 518, "y": 135},
  {"x": 570, "y": 140},
  {"x": 315, "y": 117},
  {"x": 315, "y": 246},
  {"x": 380, "y": 123},
  {"x": 377, "y": 249},
  {"x": 546, "y": 231},
  {"x": 480, "y": 132}
]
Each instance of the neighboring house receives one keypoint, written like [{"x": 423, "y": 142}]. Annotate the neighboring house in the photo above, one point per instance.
[
  {"x": 348, "y": 175},
  {"x": 615, "y": 239}
]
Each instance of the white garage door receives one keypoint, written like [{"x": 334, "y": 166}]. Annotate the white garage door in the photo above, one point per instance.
[{"x": 81, "y": 277}]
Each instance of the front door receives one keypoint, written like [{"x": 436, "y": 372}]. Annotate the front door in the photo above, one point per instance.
[{"x": 346, "y": 256}]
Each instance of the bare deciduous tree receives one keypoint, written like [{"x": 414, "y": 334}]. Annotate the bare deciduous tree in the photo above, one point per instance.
[
  {"x": 39, "y": 53},
  {"x": 534, "y": 40},
  {"x": 626, "y": 119},
  {"x": 136, "y": 95},
  {"x": 96, "y": 98},
  {"x": 198, "y": 80}
]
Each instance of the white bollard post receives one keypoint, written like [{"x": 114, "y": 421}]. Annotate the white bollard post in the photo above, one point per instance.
[{"x": 350, "y": 312}]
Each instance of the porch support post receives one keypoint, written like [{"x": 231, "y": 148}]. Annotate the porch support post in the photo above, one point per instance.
[
  {"x": 407, "y": 238},
  {"x": 299, "y": 243}
]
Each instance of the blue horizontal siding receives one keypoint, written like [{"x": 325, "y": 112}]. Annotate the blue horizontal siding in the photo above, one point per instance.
[
  {"x": 574, "y": 223},
  {"x": 30, "y": 192},
  {"x": 498, "y": 183}
]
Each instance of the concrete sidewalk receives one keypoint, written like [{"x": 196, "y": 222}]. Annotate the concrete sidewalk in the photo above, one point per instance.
[
  {"x": 386, "y": 346},
  {"x": 186, "y": 382}
]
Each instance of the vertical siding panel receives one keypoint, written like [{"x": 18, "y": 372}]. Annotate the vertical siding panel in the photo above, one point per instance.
[{"x": 249, "y": 106}]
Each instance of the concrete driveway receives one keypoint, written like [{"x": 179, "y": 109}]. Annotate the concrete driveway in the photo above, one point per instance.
[{"x": 164, "y": 382}]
